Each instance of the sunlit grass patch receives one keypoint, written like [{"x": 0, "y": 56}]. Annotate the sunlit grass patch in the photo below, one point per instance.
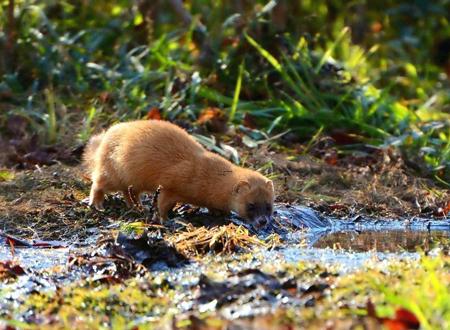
[{"x": 422, "y": 287}]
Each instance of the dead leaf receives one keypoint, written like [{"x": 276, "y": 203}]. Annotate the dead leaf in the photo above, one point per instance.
[
  {"x": 10, "y": 269},
  {"x": 376, "y": 27},
  {"x": 18, "y": 242},
  {"x": 214, "y": 119},
  {"x": 154, "y": 114},
  {"x": 344, "y": 138},
  {"x": 249, "y": 121},
  {"x": 331, "y": 158},
  {"x": 403, "y": 319}
]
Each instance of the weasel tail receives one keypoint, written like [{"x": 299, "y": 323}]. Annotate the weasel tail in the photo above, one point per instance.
[{"x": 88, "y": 160}]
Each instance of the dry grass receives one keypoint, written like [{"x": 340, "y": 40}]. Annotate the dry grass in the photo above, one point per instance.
[
  {"x": 381, "y": 185},
  {"x": 195, "y": 241}
]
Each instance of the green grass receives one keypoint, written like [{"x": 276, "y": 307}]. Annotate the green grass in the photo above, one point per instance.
[
  {"x": 420, "y": 286},
  {"x": 106, "y": 62}
]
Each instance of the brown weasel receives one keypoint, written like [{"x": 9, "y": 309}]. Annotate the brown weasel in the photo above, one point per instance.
[{"x": 148, "y": 153}]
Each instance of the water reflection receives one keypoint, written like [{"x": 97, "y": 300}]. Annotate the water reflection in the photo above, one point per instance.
[{"x": 383, "y": 241}]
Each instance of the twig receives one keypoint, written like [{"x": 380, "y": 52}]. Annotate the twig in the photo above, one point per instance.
[
  {"x": 132, "y": 197},
  {"x": 153, "y": 207}
]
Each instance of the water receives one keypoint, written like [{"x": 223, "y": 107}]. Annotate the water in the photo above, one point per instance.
[
  {"x": 395, "y": 241},
  {"x": 36, "y": 259},
  {"x": 348, "y": 244}
]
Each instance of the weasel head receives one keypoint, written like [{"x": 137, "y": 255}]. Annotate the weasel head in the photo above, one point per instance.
[{"x": 252, "y": 200}]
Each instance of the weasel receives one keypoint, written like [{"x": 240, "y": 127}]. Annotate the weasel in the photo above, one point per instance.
[{"x": 146, "y": 154}]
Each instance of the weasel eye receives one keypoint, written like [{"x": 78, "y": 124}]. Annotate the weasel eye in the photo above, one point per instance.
[{"x": 251, "y": 207}]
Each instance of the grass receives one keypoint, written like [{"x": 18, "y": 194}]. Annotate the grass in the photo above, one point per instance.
[
  {"x": 421, "y": 287},
  {"x": 311, "y": 71},
  {"x": 74, "y": 66}
]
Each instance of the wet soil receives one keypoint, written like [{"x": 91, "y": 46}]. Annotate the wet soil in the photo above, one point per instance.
[{"x": 329, "y": 221}]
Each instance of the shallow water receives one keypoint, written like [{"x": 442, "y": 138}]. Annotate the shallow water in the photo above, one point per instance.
[
  {"x": 36, "y": 259},
  {"x": 342, "y": 260},
  {"x": 341, "y": 246},
  {"x": 394, "y": 241},
  {"x": 345, "y": 243}
]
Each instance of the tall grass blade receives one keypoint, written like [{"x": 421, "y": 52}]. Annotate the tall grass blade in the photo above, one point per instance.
[
  {"x": 330, "y": 49},
  {"x": 51, "y": 117},
  {"x": 237, "y": 91}
]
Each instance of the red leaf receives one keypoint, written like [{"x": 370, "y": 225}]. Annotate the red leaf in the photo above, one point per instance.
[
  {"x": 15, "y": 241},
  {"x": 344, "y": 138},
  {"x": 154, "y": 114},
  {"x": 213, "y": 119},
  {"x": 403, "y": 320},
  {"x": 9, "y": 269},
  {"x": 446, "y": 208},
  {"x": 249, "y": 121},
  {"x": 331, "y": 158},
  {"x": 407, "y": 317},
  {"x": 394, "y": 325}
]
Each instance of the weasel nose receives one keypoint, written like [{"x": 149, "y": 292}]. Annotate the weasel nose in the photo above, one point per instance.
[{"x": 262, "y": 221}]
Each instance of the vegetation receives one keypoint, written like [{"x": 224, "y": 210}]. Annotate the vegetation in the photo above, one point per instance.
[
  {"x": 372, "y": 71},
  {"x": 157, "y": 300},
  {"x": 345, "y": 105}
]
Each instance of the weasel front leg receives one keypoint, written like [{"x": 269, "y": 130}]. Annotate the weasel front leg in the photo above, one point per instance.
[
  {"x": 132, "y": 198},
  {"x": 166, "y": 202}
]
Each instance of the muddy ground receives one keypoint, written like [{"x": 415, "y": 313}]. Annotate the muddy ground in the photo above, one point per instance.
[
  {"x": 119, "y": 269},
  {"x": 47, "y": 202}
]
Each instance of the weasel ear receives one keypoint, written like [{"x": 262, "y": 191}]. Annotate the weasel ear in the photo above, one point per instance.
[
  {"x": 241, "y": 187},
  {"x": 269, "y": 185}
]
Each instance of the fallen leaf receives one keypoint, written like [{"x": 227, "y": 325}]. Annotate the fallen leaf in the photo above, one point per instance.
[
  {"x": 18, "y": 242},
  {"x": 6, "y": 175},
  {"x": 403, "y": 319},
  {"x": 249, "y": 121},
  {"x": 344, "y": 138},
  {"x": 331, "y": 158},
  {"x": 154, "y": 114},
  {"x": 214, "y": 119},
  {"x": 10, "y": 269}
]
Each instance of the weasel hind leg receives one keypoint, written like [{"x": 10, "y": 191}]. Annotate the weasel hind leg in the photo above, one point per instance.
[{"x": 100, "y": 186}]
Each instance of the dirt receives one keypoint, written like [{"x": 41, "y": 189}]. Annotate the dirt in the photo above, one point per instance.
[
  {"x": 215, "y": 272},
  {"x": 47, "y": 202}
]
